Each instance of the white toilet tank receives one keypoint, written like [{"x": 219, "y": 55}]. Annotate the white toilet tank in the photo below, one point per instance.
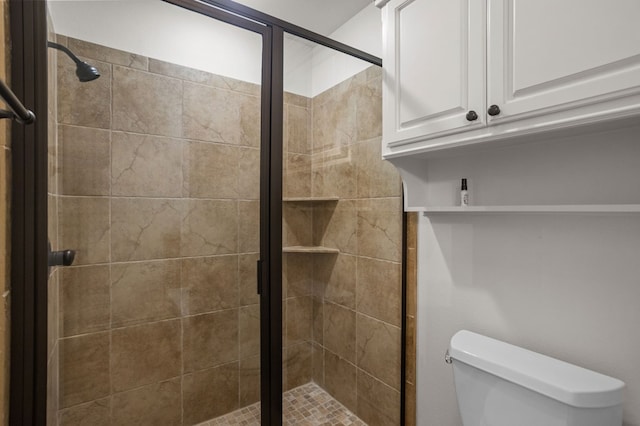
[{"x": 499, "y": 384}]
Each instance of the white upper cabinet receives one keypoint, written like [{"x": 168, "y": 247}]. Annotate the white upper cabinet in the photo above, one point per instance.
[
  {"x": 434, "y": 68},
  {"x": 523, "y": 67},
  {"x": 550, "y": 55}
]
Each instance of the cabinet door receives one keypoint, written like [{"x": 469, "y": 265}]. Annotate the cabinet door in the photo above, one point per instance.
[
  {"x": 548, "y": 55},
  {"x": 434, "y": 68}
]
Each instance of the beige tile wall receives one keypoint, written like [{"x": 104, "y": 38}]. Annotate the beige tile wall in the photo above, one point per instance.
[
  {"x": 156, "y": 187},
  {"x": 356, "y": 294},
  {"x": 5, "y": 174},
  {"x": 159, "y": 319},
  {"x": 412, "y": 301}
]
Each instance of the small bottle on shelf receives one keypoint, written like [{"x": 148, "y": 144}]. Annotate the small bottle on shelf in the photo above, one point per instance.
[{"x": 464, "y": 194}]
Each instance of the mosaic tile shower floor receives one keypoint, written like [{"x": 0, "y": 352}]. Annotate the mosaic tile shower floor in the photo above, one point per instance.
[{"x": 307, "y": 405}]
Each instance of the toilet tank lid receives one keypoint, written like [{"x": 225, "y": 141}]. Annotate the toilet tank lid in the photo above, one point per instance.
[{"x": 556, "y": 379}]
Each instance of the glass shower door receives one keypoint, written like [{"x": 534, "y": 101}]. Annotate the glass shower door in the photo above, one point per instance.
[
  {"x": 342, "y": 238},
  {"x": 154, "y": 182}
]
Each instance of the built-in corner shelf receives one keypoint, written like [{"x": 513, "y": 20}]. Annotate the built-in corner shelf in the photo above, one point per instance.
[
  {"x": 310, "y": 249},
  {"x": 309, "y": 199},
  {"x": 560, "y": 208}
]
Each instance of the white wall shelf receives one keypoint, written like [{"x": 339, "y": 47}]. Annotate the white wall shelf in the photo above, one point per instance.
[
  {"x": 310, "y": 249},
  {"x": 310, "y": 199},
  {"x": 568, "y": 208}
]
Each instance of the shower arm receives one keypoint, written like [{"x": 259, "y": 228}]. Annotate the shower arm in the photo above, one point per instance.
[{"x": 65, "y": 50}]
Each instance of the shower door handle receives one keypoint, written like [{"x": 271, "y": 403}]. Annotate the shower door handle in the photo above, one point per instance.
[{"x": 61, "y": 257}]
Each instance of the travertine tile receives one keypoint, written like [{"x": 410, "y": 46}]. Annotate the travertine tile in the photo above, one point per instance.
[
  {"x": 373, "y": 72},
  {"x": 317, "y": 175},
  {"x": 210, "y": 393},
  {"x": 339, "y": 173},
  {"x": 53, "y": 310},
  {"x": 210, "y": 227},
  {"x": 297, "y": 175},
  {"x": 378, "y": 350},
  {"x": 107, "y": 54},
  {"x": 305, "y": 405},
  {"x": 84, "y": 368},
  {"x": 84, "y": 227},
  {"x": 297, "y": 365},
  {"x": 249, "y": 174},
  {"x": 53, "y": 386},
  {"x": 340, "y": 379},
  {"x": 184, "y": 73},
  {"x": 145, "y": 291},
  {"x": 369, "y": 109},
  {"x": 242, "y": 86},
  {"x": 379, "y": 288},
  {"x": 145, "y": 354},
  {"x": 412, "y": 281},
  {"x": 375, "y": 176},
  {"x": 410, "y": 366},
  {"x": 85, "y": 156},
  {"x": 299, "y": 316},
  {"x": 341, "y": 282},
  {"x": 209, "y": 284},
  {"x": 248, "y": 276},
  {"x": 218, "y": 115},
  {"x": 317, "y": 326},
  {"x": 297, "y": 224},
  {"x": 95, "y": 413},
  {"x": 297, "y": 100},
  {"x": 338, "y": 225},
  {"x": 151, "y": 405},
  {"x": 84, "y": 299},
  {"x": 210, "y": 339},
  {"x": 53, "y": 216},
  {"x": 380, "y": 228},
  {"x": 249, "y": 380},
  {"x": 146, "y": 166},
  {"x": 334, "y": 121},
  {"x": 53, "y": 154},
  {"x": 317, "y": 364},
  {"x": 412, "y": 230},
  {"x": 410, "y": 405},
  {"x": 211, "y": 170},
  {"x": 83, "y": 104},
  {"x": 144, "y": 229},
  {"x": 249, "y": 226},
  {"x": 297, "y": 125},
  {"x": 249, "y": 331},
  {"x": 340, "y": 331},
  {"x": 146, "y": 103},
  {"x": 378, "y": 404},
  {"x": 297, "y": 274}
]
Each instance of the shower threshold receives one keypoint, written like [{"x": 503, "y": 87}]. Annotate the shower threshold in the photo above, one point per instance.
[{"x": 307, "y": 405}]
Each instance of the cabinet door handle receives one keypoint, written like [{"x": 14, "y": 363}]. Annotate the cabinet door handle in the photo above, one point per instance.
[
  {"x": 472, "y": 116},
  {"x": 493, "y": 110}
]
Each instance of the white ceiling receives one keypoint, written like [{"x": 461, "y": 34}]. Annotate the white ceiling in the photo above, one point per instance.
[{"x": 321, "y": 16}]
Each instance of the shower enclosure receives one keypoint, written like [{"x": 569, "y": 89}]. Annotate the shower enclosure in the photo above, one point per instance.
[{"x": 237, "y": 241}]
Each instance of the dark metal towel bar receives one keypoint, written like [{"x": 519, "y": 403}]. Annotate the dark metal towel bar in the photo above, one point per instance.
[{"x": 18, "y": 111}]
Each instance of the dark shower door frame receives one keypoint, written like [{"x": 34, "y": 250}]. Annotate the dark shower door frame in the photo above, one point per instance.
[{"x": 29, "y": 257}]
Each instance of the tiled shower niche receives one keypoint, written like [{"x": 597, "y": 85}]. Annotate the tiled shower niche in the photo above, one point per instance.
[{"x": 158, "y": 320}]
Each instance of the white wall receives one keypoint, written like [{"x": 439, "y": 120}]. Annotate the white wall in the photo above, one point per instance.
[
  {"x": 364, "y": 32},
  {"x": 162, "y": 31},
  {"x": 566, "y": 285}
]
